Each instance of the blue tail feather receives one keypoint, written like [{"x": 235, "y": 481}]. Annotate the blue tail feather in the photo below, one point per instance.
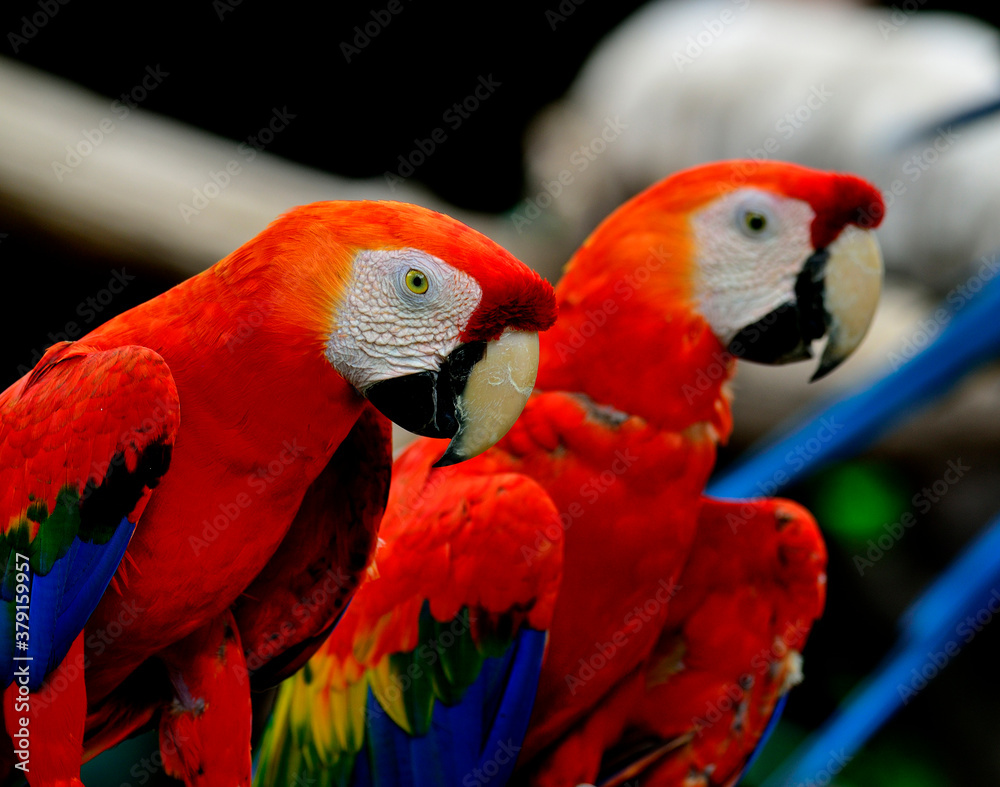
[{"x": 477, "y": 737}]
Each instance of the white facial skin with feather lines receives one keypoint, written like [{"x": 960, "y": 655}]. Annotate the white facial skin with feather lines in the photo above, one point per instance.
[
  {"x": 386, "y": 327},
  {"x": 769, "y": 237}
]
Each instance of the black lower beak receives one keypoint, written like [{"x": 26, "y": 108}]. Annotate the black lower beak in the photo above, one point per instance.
[
  {"x": 785, "y": 334},
  {"x": 426, "y": 403}
]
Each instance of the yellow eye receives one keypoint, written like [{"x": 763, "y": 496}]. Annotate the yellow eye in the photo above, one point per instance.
[
  {"x": 755, "y": 222},
  {"x": 416, "y": 281}
]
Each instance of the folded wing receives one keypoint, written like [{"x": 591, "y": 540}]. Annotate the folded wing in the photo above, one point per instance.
[
  {"x": 431, "y": 672},
  {"x": 84, "y": 439},
  {"x": 730, "y": 649}
]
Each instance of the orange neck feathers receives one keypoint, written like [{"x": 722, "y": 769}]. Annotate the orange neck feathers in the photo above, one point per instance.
[{"x": 628, "y": 334}]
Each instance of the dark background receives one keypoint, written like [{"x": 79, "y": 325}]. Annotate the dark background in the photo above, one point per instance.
[
  {"x": 354, "y": 118},
  {"x": 227, "y": 74}
]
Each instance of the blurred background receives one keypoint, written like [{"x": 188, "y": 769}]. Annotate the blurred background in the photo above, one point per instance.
[{"x": 138, "y": 145}]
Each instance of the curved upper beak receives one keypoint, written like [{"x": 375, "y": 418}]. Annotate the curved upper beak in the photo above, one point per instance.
[
  {"x": 853, "y": 283},
  {"x": 836, "y": 295},
  {"x": 474, "y": 398}
]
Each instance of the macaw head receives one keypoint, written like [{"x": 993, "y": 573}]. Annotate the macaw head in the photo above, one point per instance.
[
  {"x": 432, "y": 322},
  {"x": 756, "y": 260},
  {"x": 785, "y": 259}
]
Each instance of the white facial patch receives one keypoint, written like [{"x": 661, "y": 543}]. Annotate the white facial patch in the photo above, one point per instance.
[
  {"x": 385, "y": 327},
  {"x": 751, "y": 247}
]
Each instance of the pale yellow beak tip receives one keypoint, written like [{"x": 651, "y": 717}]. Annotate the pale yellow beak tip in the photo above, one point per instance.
[{"x": 495, "y": 394}]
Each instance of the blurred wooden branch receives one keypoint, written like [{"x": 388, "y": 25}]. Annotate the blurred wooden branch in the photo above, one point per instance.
[
  {"x": 118, "y": 179},
  {"x": 79, "y": 165}
]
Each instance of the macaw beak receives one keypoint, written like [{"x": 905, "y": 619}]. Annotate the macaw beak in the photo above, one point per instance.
[
  {"x": 836, "y": 295},
  {"x": 474, "y": 398}
]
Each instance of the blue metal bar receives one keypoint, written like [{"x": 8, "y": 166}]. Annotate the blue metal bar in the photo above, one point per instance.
[
  {"x": 936, "y": 625},
  {"x": 936, "y": 628},
  {"x": 969, "y": 335}
]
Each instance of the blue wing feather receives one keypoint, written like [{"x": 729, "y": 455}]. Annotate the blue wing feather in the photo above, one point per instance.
[
  {"x": 72, "y": 538},
  {"x": 477, "y": 737},
  {"x": 46, "y": 592},
  {"x": 61, "y": 602},
  {"x": 779, "y": 708},
  {"x": 93, "y": 567}
]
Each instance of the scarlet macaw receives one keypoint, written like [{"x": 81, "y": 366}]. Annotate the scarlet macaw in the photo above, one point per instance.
[
  {"x": 235, "y": 424},
  {"x": 678, "y": 619}
]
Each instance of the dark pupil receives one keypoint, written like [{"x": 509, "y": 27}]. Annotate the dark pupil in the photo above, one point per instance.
[
  {"x": 755, "y": 221},
  {"x": 418, "y": 280}
]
